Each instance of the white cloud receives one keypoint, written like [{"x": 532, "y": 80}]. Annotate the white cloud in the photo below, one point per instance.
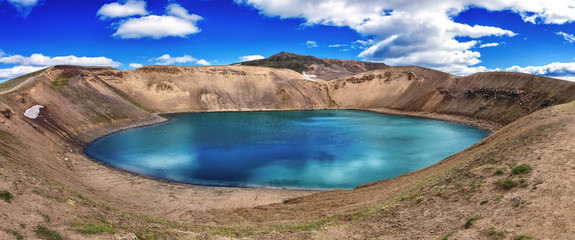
[
  {"x": 135, "y": 65},
  {"x": 337, "y": 45},
  {"x": 361, "y": 44},
  {"x": 177, "y": 22},
  {"x": 567, "y": 78},
  {"x": 156, "y": 27},
  {"x": 203, "y": 62},
  {"x": 23, "y": 6},
  {"x": 166, "y": 59},
  {"x": 311, "y": 44},
  {"x": 489, "y": 45},
  {"x": 556, "y": 69},
  {"x": 250, "y": 58},
  {"x": 418, "y": 32},
  {"x": 9, "y": 73},
  {"x": 178, "y": 11},
  {"x": 118, "y": 10},
  {"x": 40, "y": 60},
  {"x": 568, "y": 37}
]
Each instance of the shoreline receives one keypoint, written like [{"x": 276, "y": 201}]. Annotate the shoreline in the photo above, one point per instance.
[
  {"x": 158, "y": 118},
  {"x": 485, "y": 125}
]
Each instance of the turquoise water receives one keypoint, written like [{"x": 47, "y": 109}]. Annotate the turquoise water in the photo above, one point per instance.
[{"x": 297, "y": 149}]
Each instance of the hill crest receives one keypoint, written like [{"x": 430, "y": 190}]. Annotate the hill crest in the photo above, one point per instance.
[{"x": 323, "y": 68}]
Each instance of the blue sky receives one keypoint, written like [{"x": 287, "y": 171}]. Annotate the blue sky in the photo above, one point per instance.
[{"x": 460, "y": 37}]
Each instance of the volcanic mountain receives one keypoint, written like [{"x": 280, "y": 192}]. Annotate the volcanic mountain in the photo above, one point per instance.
[
  {"x": 517, "y": 183},
  {"x": 323, "y": 68}
]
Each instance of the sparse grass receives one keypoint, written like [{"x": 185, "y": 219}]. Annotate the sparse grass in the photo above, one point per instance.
[
  {"x": 46, "y": 234},
  {"x": 448, "y": 235},
  {"x": 61, "y": 82},
  {"x": 520, "y": 203},
  {"x": 414, "y": 196},
  {"x": 497, "y": 234},
  {"x": 46, "y": 216},
  {"x": 537, "y": 184},
  {"x": 6, "y": 196},
  {"x": 470, "y": 222},
  {"x": 523, "y": 237},
  {"x": 507, "y": 183},
  {"x": 15, "y": 234},
  {"x": 499, "y": 171},
  {"x": 498, "y": 197},
  {"x": 523, "y": 168},
  {"x": 91, "y": 228},
  {"x": 326, "y": 220},
  {"x": 523, "y": 183}
]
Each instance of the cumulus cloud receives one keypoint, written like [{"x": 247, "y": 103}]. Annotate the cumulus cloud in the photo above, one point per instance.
[
  {"x": 23, "y": 6},
  {"x": 37, "y": 61},
  {"x": 250, "y": 58},
  {"x": 9, "y": 73},
  {"x": 156, "y": 27},
  {"x": 556, "y": 69},
  {"x": 40, "y": 60},
  {"x": 311, "y": 44},
  {"x": 135, "y": 65},
  {"x": 568, "y": 37},
  {"x": 489, "y": 45},
  {"x": 118, "y": 10},
  {"x": 166, "y": 59},
  {"x": 177, "y": 22},
  {"x": 415, "y": 32}
]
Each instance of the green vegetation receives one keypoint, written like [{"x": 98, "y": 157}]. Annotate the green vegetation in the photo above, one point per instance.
[
  {"x": 507, "y": 183},
  {"x": 496, "y": 234},
  {"x": 414, "y": 196},
  {"x": 46, "y": 216},
  {"x": 448, "y": 235},
  {"x": 498, "y": 197},
  {"x": 499, "y": 171},
  {"x": 520, "y": 203},
  {"x": 522, "y": 237},
  {"x": 523, "y": 168},
  {"x": 16, "y": 81},
  {"x": 15, "y": 234},
  {"x": 470, "y": 222},
  {"x": 6, "y": 196},
  {"x": 91, "y": 228},
  {"x": 61, "y": 82},
  {"x": 46, "y": 234}
]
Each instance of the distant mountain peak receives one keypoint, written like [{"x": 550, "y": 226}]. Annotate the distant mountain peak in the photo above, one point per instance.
[{"x": 323, "y": 68}]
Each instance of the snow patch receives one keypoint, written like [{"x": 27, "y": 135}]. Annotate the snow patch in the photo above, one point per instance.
[
  {"x": 309, "y": 76},
  {"x": 33, "y": 112}
]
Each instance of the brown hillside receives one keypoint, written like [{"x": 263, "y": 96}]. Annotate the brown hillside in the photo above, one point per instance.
[
  {"x": 54, "y": 186},
  {"x": 499, "y": 97}
]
